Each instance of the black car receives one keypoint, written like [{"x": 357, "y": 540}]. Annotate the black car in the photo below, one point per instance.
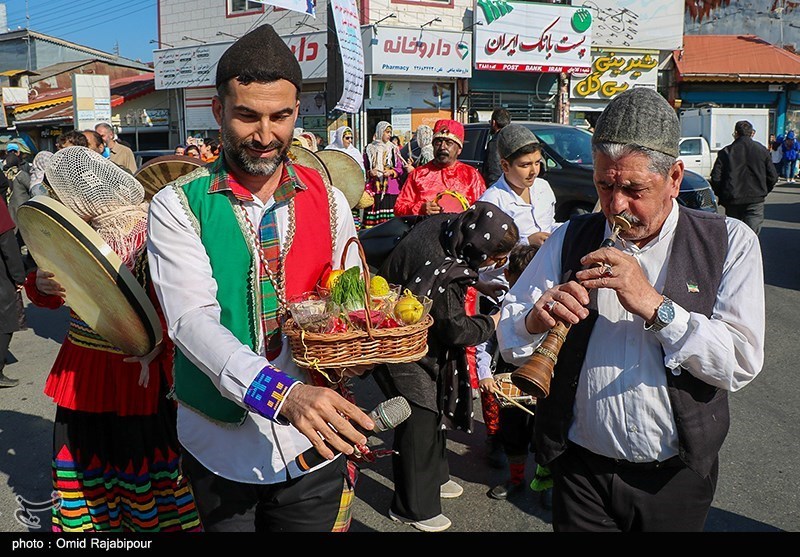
[
  {"x": 567, "y": 151},
  {"x": 145, "y": 156}
]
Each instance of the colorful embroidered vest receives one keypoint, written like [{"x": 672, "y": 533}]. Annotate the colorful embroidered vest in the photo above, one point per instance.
[{"x": 224, "y": 234}]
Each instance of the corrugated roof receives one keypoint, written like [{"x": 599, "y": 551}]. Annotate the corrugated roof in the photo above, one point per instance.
[
  {"x": 734, "y": 58},
  {"x": 13, "y": 73},
  {"x": 128, "y": 88},
  {"x": 38, "y": 103},
  {"x": 45, "y": 115},
  {"x": 57, "y": 104}
]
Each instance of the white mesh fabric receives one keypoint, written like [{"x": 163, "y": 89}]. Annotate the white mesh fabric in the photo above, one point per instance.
[
  {"x": 89, "y": 184},
  {"x": 103, "y": 194}
]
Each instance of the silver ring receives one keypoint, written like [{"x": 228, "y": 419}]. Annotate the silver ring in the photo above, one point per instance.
[
  {"x": 608, "y": 270},
  {"x": 550, "y": 305}
]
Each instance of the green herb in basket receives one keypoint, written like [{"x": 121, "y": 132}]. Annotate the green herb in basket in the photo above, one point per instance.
[{"x": 348, "y": 291}]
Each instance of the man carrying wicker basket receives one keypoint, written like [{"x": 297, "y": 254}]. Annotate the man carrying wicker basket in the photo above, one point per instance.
[{"x": 228, "y": 244}]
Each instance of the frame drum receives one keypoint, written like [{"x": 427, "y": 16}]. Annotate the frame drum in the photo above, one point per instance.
[
  {"x": 304, "y": 157},
  {"x": 511, "y": 391},
  {"x": 160, "y": 171},
  {"x": 345, "y": 173},
  {"x": 98, "y": 285},
  {"x": 451, "y": 201}
]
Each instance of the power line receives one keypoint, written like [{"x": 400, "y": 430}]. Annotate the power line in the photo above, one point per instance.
[
  {"x": 62, "y": 27},
  {"x": 53, "y": 14}
]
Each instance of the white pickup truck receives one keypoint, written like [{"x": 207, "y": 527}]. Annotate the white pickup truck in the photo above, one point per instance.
[{"x": 696, "y": 155}]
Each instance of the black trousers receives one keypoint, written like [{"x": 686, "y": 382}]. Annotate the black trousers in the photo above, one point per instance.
[
  {"x": 752, "y": 214},
  {"x": 593, "y": 493},
  {"x": 5, "y": 342},
  {"x": 420, "y": 468},
  {"x": 309, "y": 503},
  {"x": 516, "y": 431}
]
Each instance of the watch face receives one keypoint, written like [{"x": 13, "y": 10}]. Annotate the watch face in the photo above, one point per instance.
[{"x": 666, "y": 312}]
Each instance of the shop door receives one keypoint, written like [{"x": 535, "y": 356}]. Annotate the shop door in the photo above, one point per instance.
[{"x": 375, "y": 115}]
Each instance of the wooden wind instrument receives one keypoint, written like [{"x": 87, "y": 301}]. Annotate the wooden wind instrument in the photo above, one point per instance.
[{"x": 533, "y": 377}]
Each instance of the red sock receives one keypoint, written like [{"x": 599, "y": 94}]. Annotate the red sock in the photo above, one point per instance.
[
  {"x": 517, "y": 472},
  {"x": 491, "y": 412}
]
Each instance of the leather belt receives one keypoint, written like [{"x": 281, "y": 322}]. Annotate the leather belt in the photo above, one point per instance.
[{"x": 673, "y": 462}]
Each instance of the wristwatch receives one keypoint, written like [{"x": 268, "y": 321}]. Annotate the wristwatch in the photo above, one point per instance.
[{"x": 664, "y": 316}]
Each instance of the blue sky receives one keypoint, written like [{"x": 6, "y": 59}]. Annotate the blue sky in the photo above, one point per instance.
[{"x": 100, "y": 24}]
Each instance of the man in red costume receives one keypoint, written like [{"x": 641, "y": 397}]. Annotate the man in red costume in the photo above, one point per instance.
[{"x": 443, "y": 173}]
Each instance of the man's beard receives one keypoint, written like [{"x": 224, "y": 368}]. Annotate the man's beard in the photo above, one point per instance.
[{"x": 235, "y": 152}]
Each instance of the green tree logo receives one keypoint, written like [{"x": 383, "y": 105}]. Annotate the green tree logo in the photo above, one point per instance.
[{"x": 494, "y": 9}]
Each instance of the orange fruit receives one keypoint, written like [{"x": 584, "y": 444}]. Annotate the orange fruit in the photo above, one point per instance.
[{"x": 333, "y": 276}]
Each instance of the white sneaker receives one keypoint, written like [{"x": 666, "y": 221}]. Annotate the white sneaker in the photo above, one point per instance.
[
  {"x": 438, "y": 523},
  {"x": 450, "y": 490}
]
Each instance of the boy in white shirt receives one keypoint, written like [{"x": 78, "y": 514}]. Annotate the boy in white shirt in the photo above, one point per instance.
[{"x": 530, "y": 201}]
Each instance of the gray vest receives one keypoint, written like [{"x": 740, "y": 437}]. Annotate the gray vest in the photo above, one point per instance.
[{"x": 700, "y": 410}]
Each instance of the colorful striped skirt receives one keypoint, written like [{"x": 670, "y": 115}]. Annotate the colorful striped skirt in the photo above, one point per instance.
[
  {"x": 381, "y": 211},
  {"x": 120, "y": 474}
]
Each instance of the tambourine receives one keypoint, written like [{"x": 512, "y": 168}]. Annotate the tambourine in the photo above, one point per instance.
[
  {"x": 451, "y": 201},
  {"x": 511, "y": 394}
]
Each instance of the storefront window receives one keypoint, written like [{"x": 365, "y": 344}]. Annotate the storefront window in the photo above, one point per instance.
[
  {"x": 793, "y": 118},
  {"x": 238, "y": 7}
]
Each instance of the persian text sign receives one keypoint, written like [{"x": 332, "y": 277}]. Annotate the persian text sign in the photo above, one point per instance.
[
  {"x": 398, "y": 51},
  {"x": 513, "y": 36},
  {"x": 348, "y": 30},
  {"x": 196, "y": 66},
  {"x": 649, "y": 24},
  {"x": 614, "y": 72}
]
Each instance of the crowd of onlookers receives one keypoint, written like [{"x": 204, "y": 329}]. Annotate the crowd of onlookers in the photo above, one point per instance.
[
  {"x": 206, "y": 150},
  {"x": 785, "y": 151}
]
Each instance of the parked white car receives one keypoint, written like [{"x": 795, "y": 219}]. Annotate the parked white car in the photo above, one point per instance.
[{"x": 697, "y": 156}]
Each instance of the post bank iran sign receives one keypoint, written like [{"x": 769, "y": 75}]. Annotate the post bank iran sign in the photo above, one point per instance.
[
  {"x": 532, "y": 37},
  {"x": 417, "y": 52}
]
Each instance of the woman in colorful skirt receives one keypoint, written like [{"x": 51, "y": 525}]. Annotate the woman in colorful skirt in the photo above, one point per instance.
[
  {"x": 383, "y": 165},
  {"x": 115, "y": 447}
]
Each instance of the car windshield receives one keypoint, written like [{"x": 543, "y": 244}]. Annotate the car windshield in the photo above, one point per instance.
[{"x": 571, "y": 144}]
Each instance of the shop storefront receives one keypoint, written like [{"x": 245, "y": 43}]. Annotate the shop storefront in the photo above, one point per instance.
[
  {"x": 411, "y": 76},
  {"x": 613, "y": 72},
  {"x": 191, "y": 72},
  {"x": 519, "y": 55}
]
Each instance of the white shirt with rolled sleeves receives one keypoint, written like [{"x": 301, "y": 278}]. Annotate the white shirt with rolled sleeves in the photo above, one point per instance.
[
  {"x": 622, "y": 408},
  {"x": 259, "y": 451},
  {"x": 530, "y": 218},
  {"x": 537, "y": 216}
]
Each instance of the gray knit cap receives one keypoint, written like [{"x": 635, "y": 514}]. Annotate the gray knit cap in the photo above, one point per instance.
[
  {"x": 642, "y": 117},
  {"x": 512, "y": 138}
]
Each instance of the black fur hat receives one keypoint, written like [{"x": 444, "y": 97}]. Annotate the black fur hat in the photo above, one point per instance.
[{"x": 260, "y": 55}]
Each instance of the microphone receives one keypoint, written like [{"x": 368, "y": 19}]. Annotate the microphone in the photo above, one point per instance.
[{"x": 387, "y": 415}]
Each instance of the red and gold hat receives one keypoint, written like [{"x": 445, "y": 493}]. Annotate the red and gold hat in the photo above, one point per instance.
[{"x": 449, "y": 129}]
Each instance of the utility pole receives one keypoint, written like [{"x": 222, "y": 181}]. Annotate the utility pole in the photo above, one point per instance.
[
  {"x": 28, "y": 29},
  {"x": 780, "y": 16}
]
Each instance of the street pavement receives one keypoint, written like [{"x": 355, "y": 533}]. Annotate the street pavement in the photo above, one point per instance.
[{"x": 757, "y": 489}]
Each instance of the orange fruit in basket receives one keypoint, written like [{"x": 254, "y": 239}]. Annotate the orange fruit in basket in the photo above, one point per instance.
[{"x": 333, "y": 276}]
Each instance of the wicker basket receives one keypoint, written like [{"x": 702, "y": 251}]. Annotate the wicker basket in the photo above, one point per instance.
[{"x": 393, "y": 345}]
